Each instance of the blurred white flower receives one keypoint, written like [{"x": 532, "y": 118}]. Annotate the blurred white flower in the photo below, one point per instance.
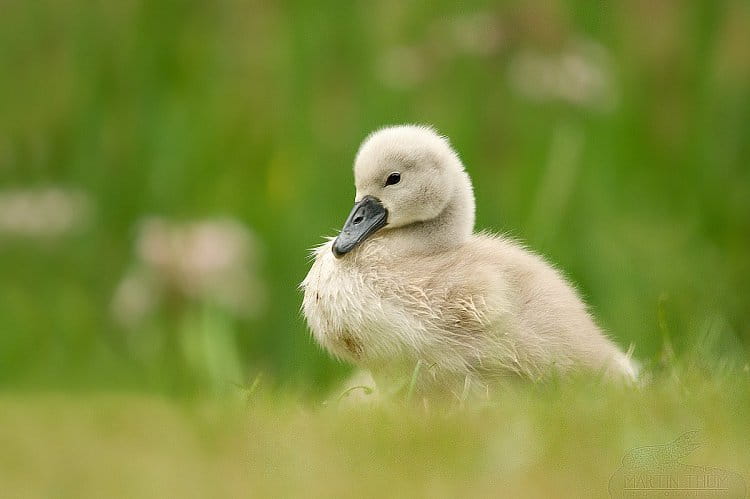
[
  {"x": 208, "y": 260},
  {"x": 402, "y": 67},
  {"x": 580, "y": 75},
  {"x": 478, "y": 33},
  {"x": 43, "y": 212},
  {"x": 135, "y": 298}
]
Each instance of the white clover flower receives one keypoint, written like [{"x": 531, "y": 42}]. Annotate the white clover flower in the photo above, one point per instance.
[
  {"x": 580, "y": 75},
  {"x": 40, "y": 213},
  {"x": 402, "y": 67},
  {"x": 478, "y": 33},
  {"x": 211, "y": 261}
]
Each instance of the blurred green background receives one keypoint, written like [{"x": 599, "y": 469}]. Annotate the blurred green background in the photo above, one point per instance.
[{"x": 165, "y": 166}]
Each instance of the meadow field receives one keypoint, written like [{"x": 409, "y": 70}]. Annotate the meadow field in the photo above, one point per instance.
[{"x": 166, "y": 166}]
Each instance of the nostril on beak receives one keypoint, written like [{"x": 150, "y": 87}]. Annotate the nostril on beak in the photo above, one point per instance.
[{"x": 357, "y": 220}]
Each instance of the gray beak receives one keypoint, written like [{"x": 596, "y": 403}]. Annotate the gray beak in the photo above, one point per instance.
[{"x": 366, "y": 218}]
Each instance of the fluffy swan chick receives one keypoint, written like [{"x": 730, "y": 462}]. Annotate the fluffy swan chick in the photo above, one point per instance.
[{"x": 407, "y": 282}]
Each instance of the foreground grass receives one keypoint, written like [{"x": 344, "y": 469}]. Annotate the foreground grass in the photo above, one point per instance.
[{"x": 539, "y": 441}]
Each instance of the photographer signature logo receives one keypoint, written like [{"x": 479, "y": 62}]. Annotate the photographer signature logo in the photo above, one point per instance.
[{"x": 659, "y": 471}]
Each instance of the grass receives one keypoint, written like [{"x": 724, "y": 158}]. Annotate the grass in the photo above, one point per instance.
[
  {"x": 562, "y": 439},
  {"x": 189, "y": 110}
]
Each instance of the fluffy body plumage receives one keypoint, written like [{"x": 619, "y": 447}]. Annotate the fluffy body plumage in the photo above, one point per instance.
[{"x": 473, "y": 308}]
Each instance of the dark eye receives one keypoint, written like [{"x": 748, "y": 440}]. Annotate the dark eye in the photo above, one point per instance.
[{"x": 393, "y": 178}]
